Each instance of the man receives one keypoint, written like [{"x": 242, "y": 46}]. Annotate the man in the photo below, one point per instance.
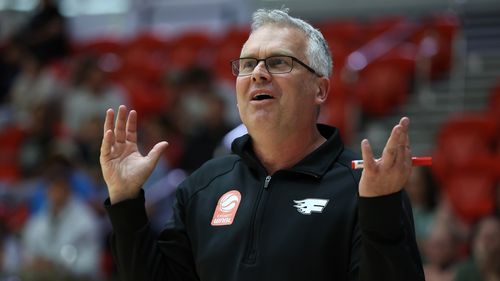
[{"x": 286, "y": 205}]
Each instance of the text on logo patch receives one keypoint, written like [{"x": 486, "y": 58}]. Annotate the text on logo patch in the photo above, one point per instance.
[{"x": 226, "y": 208}]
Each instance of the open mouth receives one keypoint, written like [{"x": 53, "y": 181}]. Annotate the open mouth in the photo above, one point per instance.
[{"x": 262, "y": 96}]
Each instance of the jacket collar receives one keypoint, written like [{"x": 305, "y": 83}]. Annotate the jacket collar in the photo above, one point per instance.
[{"x": 315, "y": 164}]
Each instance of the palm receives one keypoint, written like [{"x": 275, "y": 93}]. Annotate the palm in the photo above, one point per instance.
[
  {"x": 391, "y": 172},
  {"x": 124, "y": 169}
]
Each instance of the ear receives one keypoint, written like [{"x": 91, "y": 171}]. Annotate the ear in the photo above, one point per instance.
[{"x": 323, "y": 89}]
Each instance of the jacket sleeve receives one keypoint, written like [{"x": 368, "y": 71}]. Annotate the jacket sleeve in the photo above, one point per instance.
[
  {"x": 387, "y": 248},
  {"x": 139, "y": 253}
]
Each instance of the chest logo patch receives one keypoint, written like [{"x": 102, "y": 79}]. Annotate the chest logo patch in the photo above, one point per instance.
[
  {"x": 310, "y": 205},
  {"x": 226, "y": 208}
]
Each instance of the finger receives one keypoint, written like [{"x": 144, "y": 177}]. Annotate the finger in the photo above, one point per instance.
[
  {"x": 391, "y": 147},
  {"x": 109, "y": 121},
  {"x": 403, "y": 158},
  {"x": 132, "y": 126},
  {"x": 107, "y": 144},
  {"x": 404, "y": 139},
  {"x": 400, "y": 160},
  {"x": 155, "y": 152},
  {"x": 367, "y": 154},
  {"x": 121, "y": 121},
  {"x": 405, "y": 123}
]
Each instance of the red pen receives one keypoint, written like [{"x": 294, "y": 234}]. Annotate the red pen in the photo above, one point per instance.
[{"x": 415, "y": 161}]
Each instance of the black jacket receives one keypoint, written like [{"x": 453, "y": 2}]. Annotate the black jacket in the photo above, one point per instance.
[{"x": 303, "y": 223}]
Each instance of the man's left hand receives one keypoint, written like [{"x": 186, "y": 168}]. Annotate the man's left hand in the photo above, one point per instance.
[{"x": 390, "y": 173}]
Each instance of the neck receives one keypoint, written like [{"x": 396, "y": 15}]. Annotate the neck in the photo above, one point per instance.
[{"x": 277, "y": 152}]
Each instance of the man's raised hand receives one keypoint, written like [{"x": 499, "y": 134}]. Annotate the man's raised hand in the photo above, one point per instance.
[
  {"x": 123, "y": 167},
  {"x": 390, "y": 173}
]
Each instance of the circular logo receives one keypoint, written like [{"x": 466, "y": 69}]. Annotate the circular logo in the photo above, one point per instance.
[{"x": 229, "y": 201}]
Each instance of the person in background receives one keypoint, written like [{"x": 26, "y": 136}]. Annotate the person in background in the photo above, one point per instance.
[
  {"x": 45, "y": 34},
  {"x": 34, "y": 86},
  {"x": 484, "y": 263},
  {"x": 424, "y": 198},
  {"x": 61, "y": 242},
  {"x": 201, "y": 144},
  {"x": 89, "y": 93},
  {"x": 440, "y": 250},
  {"x": 286, "y": 205},
  {"x": 10, "y": 65}
]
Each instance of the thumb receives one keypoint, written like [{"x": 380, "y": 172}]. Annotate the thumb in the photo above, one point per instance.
[{"x": 155, "y": 152}]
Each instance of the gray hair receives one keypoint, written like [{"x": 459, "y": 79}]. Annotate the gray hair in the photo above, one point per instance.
[{"x": 317, "y": 53}]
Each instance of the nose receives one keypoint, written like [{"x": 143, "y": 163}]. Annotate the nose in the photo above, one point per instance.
[{"x": 260, "y": 73}]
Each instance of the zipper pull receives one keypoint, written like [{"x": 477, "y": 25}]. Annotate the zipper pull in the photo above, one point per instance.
[{"x": 266, "y": 182}]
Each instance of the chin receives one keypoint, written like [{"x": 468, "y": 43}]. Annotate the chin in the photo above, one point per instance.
[{"x": 258, "y": 122}]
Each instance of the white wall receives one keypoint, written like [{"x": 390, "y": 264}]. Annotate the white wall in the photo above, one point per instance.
[
  {"x": 173, "y": 16},
  {"x": 327, "y": 9}
]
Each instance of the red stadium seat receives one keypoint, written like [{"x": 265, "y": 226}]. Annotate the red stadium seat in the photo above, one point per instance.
[
  {"x": 494, "y": 103},
  {"x": 99, "y": 47},
  {"x": 471, "y": 195},
  {"x": 382, "y": 87},
  {"x": 193, "y": 48},
  {"x": 226, "y": 49},
  {"x": 148, "y": 100},
  {"x": 376, "y": 27},
  {"x": 148, "y": 41},
  {"x": 339, "y": 110},
  {"x": 350, "y": 33},
  {"x": 471, "y": 188},
  {"x": 11, "y": 138},
  {"x": 143, "y": 65},
  {"x": 461, "y": 138},
  {"x": 438, "y": 35},
  {"x": 223, "y": 56}
]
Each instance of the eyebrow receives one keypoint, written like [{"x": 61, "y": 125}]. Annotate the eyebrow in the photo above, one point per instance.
[
  {"x": 282, "y": 52},
  {"x": 273, "y": 54}
]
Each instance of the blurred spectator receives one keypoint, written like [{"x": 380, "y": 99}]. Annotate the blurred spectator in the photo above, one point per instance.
[
  {"x": 424, "y": 197},
  {"x": 10, "y": 64},
  {"x": 8, "y": 251},
  {"x": 33, "y": 86},
  {"x": 196, "y": 85},
  {"x": 154, "y": 130},
  {"x": 484, "y": 264},
  {"x": 202, "y": 143},
  {"x": 83, "y": 186},
  {"x": 160, "y": 198},
  {"x": 441, "y": 253},
  {"x": 62, "y": 241},
  {"x": 45, "y": 34},
  {"x": 43, "y": 137},
  {"x": 224, "y": 146},
  {"x": 89, "y": 95},
  {"x": 196, "y": 118}
]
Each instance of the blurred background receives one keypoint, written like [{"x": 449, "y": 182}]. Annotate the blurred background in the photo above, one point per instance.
[{"x": 63, "y": 63}]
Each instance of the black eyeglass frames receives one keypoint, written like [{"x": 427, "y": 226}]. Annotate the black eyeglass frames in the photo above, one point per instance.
[{"x": 274, "y": 64}]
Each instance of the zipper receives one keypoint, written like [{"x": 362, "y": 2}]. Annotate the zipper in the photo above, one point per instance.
[
  {"x": 266, "y": 182},
  {"x": 251, "y": 253}
]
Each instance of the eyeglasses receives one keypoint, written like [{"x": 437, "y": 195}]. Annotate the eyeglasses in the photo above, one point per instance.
[{"x": 274, "y": 64}]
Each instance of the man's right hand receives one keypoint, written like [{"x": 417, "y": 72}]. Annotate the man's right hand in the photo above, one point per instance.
[{"x": 123, "y": 167}]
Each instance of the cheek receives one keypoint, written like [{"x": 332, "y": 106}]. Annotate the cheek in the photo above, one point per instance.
[
  {"x": 241, "y": 89},
  {"x": 303, "y": 93}
]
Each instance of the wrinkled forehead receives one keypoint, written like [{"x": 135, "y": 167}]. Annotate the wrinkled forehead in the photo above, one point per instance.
[{"x": 275, "y": 39}]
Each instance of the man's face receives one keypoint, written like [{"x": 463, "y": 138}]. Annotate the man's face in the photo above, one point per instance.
[{"x": 291, "y": 98}]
